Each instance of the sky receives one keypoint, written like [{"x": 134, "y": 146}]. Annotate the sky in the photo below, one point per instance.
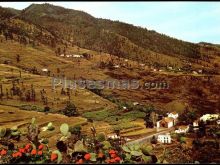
[{"x": 188, "y": 21}]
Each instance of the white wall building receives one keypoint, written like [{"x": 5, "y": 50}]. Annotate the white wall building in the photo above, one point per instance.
[
  {"x": 174, "y": 115},
  {"x": 166, "y": 122},
  {"x": 44, "y": 70},
  {"x": 182, "y": 129},
  {"x": 209, "y": 117},
  {"x": 166, "y": 138}
]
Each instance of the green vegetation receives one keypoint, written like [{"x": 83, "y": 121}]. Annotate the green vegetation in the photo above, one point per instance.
[
  {"x": 31, "y": 107},
  {"x": 111, "y": 116}
]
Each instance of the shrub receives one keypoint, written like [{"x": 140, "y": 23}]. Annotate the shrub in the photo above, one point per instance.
[{"x": 70, "y": 110}]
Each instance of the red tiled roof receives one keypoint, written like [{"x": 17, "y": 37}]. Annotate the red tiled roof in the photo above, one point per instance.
[{"x": 168, "y": 119}]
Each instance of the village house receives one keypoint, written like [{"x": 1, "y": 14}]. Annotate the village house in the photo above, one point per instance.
[
  {"x": 113, "y": 136},
  {"x": 182, "y": 129},
  {"x": 170, "y": 68},
  {"x": 196, "y": 124},
  {"x": 135, "y": 103},
  {"x": 200, "y": 71},
  {"x": 44, "y": 70},
  {"x": 116, "y": 66},
  {"x": 77, "y": 56},
  {"x": 174, "y": 115},
  {"x": 194, "y": 72},
  {"x": 69, "y": 55},
  {"x": 166, "y": 138},
  {"x": 124, "y": 107},
  {"x": 209, "y": 117},
  {"x": 166, "y": 122}
]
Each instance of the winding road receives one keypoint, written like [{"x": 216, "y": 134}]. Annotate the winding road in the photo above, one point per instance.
[{"x": 148, "y": 137}]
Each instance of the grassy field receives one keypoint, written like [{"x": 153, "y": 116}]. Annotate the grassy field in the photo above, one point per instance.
[{"x": 182, "y": 89}]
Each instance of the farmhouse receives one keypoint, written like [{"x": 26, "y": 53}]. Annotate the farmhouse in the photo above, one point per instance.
[
  {"x": 135, "y": 103},
  {"x": 209, "y": 117},
  {"x": 194, "y": 72},
  {"x": 182, "y": 129},
  {"x": 173, "y": 115},
  {"x": 166, "y": 138},
  {"x": 114, "y": 136},
  {"x": 167, "y": 122},
  {"x": 196, "y": 124},
  {"x": 116, "y": 66},
  {"x": 77, "y": 56},
  {"x": 170, "y": 68},
  {"x": 68, "y": 55},
  {"x": 200, "y": 71},
  {"x": 44, "y": 70}
]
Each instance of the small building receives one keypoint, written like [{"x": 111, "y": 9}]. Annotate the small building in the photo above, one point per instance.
[
  {"x": 77, "y": 56},
  {"x": 116, "y": 66},
  {"x": 44, "y": 70},
  {"x": 209, "y": 117},
  {"x": 135, "y": 103},
  {"x": 170, "y": 68},
  {"x": 62, "y": 55},
  {"x": 113, "y": 136},
  {"x": 218, "y": 122},
  {"x": 194, "y": 72},
  {"x": 166, "y": 122},
  {"x": 182, "y": 129},
  {"x": 69, "y": 55},
  {"x": 200, "y": 71},
  {"x": 174, "y": 115},
  {"x": 196, "y": 125},
  {"x": 165, "y": 138},
  {"x": 124, "y": 107}
]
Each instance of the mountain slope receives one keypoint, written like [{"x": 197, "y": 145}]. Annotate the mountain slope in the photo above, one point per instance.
[{"x": 86, "y": 31}]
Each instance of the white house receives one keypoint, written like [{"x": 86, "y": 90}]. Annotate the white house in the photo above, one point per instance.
[
  {"x": 166, "y": 138},
  {"x": 135, "y": 103},
  {"x": 182, "y": 129},
  {"x": 77, "y": 56},
  {"x": 62, "y": 55},
  {"x": 167, "y": 122},
  {"x": 116, "y": 66},
  {"x": 69, "y": 55},
  {"x": 200, "y": 71},
  {"x": 194, "y": 72},
  {"x": 196, "y": 124},
  {"x": 44, "y": 70},
  {"x": 170, "y": 68},
  {"x": 114, "y": 136},
  {"x": 174, "y": 115},
  {"x": 209, "y": 117},
  {"x": 124, "y": 107},
  {"x": 218, "y": 122}
]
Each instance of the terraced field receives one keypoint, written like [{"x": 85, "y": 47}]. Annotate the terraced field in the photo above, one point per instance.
[{"x": 11, "y": 116}]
